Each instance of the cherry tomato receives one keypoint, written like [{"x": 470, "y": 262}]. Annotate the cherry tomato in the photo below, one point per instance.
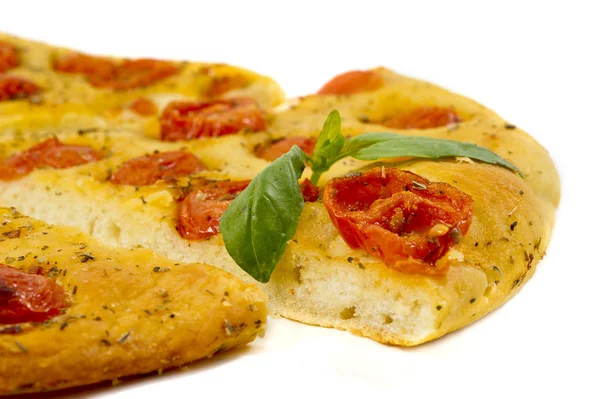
[
  {"x": 424, "y": 118},
  {"x": 352, "y": 82},
  {"x": 201, "y": 210},
  {"x": 149, "y": 169},
  {"x": 399, "y": 217},
  {"x": 191, "y": 120},
  {"x": 84, "y": 64},
  {"x": 222, "y": 84},
  {"x": 310, "y": 192},
  {"x": 144, "y": 107},
  {"x": 105, "y": 73},
  {"x": 13, "y": 88},
  {"x": 277, "y": 148},
  {"x": 28, "y": 297},
  {"x": 50, "y": 153},
  {"x": 132, "y": 74}
]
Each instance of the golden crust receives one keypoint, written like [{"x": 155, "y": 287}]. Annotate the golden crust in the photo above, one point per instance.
[
  {"x": 315, "y": 282},
  {"x": 125, "y": 317}
]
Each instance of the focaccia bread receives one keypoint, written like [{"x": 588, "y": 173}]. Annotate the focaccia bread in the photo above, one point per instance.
[
  {"x": 320, "y": 279},
  {"x": 76, "y": 312},
  {"x": 46, "y": 87}
]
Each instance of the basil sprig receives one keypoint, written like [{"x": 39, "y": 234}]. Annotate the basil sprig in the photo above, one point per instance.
[{"x": 259, "y": 223}]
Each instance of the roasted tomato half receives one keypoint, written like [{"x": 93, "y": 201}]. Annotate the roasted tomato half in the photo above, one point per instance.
[
  {"x": 353, "y": 82},
  {"x": 13, "y": 88},
  {"x": 399, "y": 217},
  {"x": 50, "y": 153},
  {"x": 201, "y": 210},
  {"x": 423, "y": 118},
  {"x": 192, "y": 120},
  {"x": 105, "y": 73},
  {"x": 277, "y": 148},
  {"x": 28, "y": 297},
  {"x": 149, "y": 169}
]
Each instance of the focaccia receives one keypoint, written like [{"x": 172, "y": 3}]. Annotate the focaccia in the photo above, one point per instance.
[
  {"x": 76, "y": 312},
  {"x": 47, "y": 87},
  {"x": 320, "y": 279}
]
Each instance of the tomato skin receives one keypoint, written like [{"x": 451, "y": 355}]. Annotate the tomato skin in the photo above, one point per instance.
[
  {"x": 310, "y": 192},
  {"x": 277, "y": 148},
  {"x": 199, "y": 218},
  {"x": 132, "y": 74},
  {"x": 424, "y": 118},
  {"x": 392, "y": 215},
  {"x": 191, "y": 120},
  {"x": 352, "y": 82},
  {"x": 105, "y": 73},
  {"x": 148, "y": 169},
  {"x": 50, "y": 153},
  {"x": 201, "y": 210},
  {"x": 144, "y": 107},
  {"x": 222, "y": 84},
  {"x": 84, "y": 64},
  {"x": 220, "y": 189},
  {"x": 9, "y": 58},
  {"x": 13, "y": 88},
  {"x": 28, "y": 297}
]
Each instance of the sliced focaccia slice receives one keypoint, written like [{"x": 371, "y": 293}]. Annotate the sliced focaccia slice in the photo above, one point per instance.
[
  {"x": 75, "y": 312},
  {"x": 320, "y": 279},
  {"x": 43, "y": 86}
]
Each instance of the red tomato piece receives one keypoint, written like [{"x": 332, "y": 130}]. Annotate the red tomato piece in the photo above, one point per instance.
[
  {"x": 424, "y": 118},
  {"x": 222, "y": 84},
  {"x": 310, "y": 192},
  {"x": 399, "y": 217},
  {"x": 103, "y": 72},
  {"x": 277, "y": 148},
  {"x": 84, "y": 64},
  {"x": 50, "y": 153},
  {"x": 199, "y": 218},
  {"x": 131, "y": 74},
  {"x": 352, "y": 82},
  {"x": 149, "y": 169},
  {"x": 201, "y": 210},
  {"x": 144, "y": 107},
  {"x": 13, "y": 88},
  {"x": 9, "y": 58},
  {"x": 190, "y": 120},
  {"x": 220, "y": 189},
  {"x": 28, "y": 297}
]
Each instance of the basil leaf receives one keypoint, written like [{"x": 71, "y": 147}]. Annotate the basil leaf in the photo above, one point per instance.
[
  {"x": 329, "y": 144},
  {"x": 258, "y": 224},
  {"x": 386, "y": 145}
]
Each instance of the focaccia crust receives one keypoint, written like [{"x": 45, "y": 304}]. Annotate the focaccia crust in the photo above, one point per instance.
[{"x": 131, "y": 312}]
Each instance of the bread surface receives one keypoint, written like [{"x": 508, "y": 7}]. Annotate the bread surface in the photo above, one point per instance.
[{"x": 131, "y": 312}]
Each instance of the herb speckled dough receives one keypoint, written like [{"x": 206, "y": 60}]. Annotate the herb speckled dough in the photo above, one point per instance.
[{"x": 131, "y": 311}]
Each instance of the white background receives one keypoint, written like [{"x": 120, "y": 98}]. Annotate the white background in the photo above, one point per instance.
[{"x": 533, "y": 62}]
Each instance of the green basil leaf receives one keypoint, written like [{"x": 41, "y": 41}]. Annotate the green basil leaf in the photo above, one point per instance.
[
  {"x": 329, "y": 144},
  {"x": 385, "y": 145},
  {"x": 364, "y": 140},
  {"x": 258, "y": 224}
]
